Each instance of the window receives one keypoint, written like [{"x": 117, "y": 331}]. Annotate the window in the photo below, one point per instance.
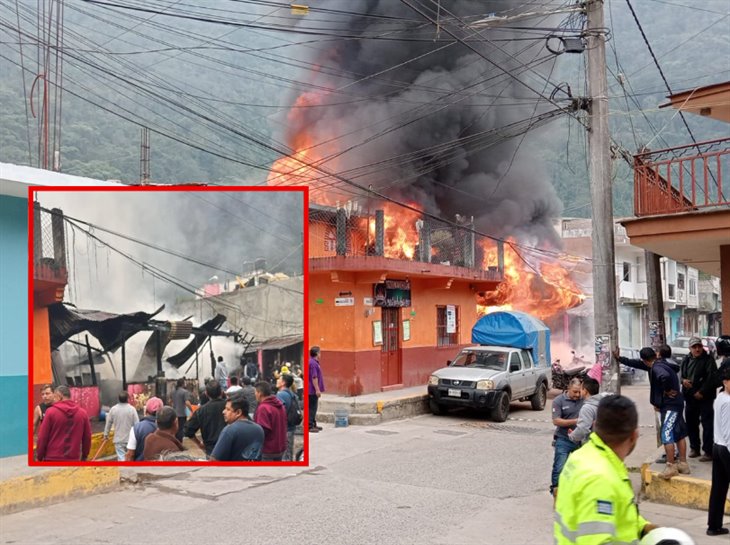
[
  {"x": 442, "y": 337},
  {"x": 680, "y": 281},
  {"x": 692, "y": 286},
  {"x": 627, "y": 272},
  {"x": 514, "y": 361},
  {"x": 670, "y": 291},
  {"x": 526, "y": 361}
]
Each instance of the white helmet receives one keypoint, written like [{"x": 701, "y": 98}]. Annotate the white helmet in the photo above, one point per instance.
[{"x": 667, "y": 536}]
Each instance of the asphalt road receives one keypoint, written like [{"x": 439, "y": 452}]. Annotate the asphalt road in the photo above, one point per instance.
[{"x": 427, "y": 480}]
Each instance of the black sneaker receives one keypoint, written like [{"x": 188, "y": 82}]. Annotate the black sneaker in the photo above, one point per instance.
[
  {"x": 717, "y": 531},
  {"x": 313, "y": 430}
]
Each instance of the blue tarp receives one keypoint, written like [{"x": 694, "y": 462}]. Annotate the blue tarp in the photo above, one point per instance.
[{"x": 517, "y": 329}]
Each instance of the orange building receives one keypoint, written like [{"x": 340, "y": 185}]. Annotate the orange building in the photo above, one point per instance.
[
  {"x": 49, "y": 282},
  {"x": 383, "y": 319}
]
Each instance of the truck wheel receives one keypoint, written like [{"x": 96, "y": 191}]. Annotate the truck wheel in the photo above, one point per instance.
[
  {"x": 436, "y": 408},
  {"x": 501, "y": 409},
  {"x": 537, "y": 400}
]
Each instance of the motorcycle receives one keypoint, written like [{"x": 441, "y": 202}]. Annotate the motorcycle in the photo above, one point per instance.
[{"x": 561, "y": 377}]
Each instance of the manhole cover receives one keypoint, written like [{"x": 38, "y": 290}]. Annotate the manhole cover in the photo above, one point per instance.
[
  {"x": 382, "y": 432},
  {"x": 449, "y": 432}
]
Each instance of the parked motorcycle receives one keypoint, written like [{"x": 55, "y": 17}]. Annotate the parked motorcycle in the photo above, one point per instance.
[{"x": 561, "y": 377}]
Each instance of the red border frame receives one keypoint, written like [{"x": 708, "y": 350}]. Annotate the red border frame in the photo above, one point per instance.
[{"x": 32, "y": 190}]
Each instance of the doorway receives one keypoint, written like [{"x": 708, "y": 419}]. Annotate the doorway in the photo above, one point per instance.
[{"x": 390, "y": 356}]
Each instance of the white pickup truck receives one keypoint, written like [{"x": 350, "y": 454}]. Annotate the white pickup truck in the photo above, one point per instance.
[{"x": 489, "y": 378}]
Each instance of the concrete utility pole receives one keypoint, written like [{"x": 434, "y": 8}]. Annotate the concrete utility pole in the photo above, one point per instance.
[
  {"x": 655, "y": 299},
  {"x": 604, "y": 276}
]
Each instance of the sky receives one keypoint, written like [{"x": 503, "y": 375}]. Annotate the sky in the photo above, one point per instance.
[{"x": 225, "y": 230}]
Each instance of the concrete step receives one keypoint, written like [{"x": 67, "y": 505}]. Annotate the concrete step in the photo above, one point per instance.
[{"x": 369, "y": 411}]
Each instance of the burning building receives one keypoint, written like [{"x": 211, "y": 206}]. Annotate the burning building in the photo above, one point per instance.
[{"x": 390, "y": 301}]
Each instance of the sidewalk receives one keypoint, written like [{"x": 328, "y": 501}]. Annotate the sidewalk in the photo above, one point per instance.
[
  {"x": 370, "y": 409},
  {"x": 23, "y": 487}
]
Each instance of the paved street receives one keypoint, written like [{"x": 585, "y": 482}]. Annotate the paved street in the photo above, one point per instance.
[{"x": 427, "y": 480}]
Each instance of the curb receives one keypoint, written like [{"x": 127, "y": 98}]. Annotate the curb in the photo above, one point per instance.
[
  {"x": 53, "y": 485},
  {"x": 682, "y": 491},
  {"x": 376, "y": 412}
]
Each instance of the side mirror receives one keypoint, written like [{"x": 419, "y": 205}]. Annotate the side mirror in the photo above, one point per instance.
[
  {"x": 514, "y": 367},
  {"x": 448, "y": 362}
]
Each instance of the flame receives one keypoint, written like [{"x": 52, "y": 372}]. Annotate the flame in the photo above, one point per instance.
[
  {"x": 300, "y": 168},
  {"x": 401, "y": 234},
  {"x": 543, "y": 293}
]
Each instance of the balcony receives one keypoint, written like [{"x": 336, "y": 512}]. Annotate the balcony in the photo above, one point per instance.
[
  {"x": 682, "y": 179},
  {"x": 49, "y": 255},
  {"x": 401, "y": 242}
]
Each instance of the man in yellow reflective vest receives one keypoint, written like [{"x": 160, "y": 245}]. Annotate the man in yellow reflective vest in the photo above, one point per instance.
[{"x": 596, "y": 502}]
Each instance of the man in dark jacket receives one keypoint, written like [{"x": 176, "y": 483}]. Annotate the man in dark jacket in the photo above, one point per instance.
[
  {"x": 648, "y": 357},
  {"x": 271, "y": 415},
  {"x": 699, "y": 387},
  {"x": 208, "y": 419},
  {"x": 665, "y": 397},
  {"x": 65, "y": 433}
]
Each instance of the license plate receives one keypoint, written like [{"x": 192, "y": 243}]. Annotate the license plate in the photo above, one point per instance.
[{"x": 454, "y": 393}]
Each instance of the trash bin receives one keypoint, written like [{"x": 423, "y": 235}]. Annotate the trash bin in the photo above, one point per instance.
[{"x": 342, "y": 417}]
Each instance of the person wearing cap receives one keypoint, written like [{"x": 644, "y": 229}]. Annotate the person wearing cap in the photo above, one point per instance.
[
  {"x": 316, "y": 387},
  {"x": 140, "y": 431},
  {"x": 699, "y": 378}
]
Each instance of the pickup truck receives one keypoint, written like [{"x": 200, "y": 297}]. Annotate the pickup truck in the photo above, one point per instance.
[{"x": 489, "y": 378}]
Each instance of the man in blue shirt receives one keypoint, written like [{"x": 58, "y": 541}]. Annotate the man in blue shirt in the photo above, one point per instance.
[
  {"x": 241, "y": 440},
  {"x": 566, "y": 408}
]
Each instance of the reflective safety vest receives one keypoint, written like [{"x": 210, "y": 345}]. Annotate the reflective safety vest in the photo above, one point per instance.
[{"x": 596, "y": 502}]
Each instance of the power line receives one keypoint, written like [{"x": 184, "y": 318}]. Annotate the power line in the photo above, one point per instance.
[{"x": 656, "y": 62}]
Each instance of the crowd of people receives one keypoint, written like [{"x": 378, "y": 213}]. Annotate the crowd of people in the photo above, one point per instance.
[
  {"x": 596, "y": 432},
  {"x": 238, "y": 417}
]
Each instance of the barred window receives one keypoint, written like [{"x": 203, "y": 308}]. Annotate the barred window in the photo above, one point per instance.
[{"x": 442, "y": 337}]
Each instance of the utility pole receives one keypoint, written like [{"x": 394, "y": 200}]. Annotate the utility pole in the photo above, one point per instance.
[
  {"x": 655, "y": 299},
  {"x": 604, "y": 276},
  {"x": 144, "y": 157}
]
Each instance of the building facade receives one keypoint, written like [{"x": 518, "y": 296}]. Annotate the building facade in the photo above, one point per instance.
[{"x": 387, "y": 322}]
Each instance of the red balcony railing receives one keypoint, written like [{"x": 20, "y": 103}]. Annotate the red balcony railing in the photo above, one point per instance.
[{"x": 682, "y": 179}]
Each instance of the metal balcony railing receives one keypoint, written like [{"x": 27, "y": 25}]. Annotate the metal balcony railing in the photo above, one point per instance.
[
  {"x": 49, "y": 245},
  {"x": 404, "y": 235},
  {"x": 682, "y": 179}
]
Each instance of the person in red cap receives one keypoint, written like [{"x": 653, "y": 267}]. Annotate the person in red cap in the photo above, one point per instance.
[
  {"x": 65, "y": 433},
  {"x": 140, "y": 431}
]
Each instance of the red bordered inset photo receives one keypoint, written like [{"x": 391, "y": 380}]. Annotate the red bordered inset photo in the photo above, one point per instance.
[{"x": 168, "y": 325}]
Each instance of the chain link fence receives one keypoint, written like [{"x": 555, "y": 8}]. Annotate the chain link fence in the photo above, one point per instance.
[{"x": 399, "y": 233}]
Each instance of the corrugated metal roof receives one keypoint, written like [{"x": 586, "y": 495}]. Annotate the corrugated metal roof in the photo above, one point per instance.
[{"x": 276, "y": 343}]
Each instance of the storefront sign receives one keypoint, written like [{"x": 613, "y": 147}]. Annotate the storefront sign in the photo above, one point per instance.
[{"x": 392, "y": 293}]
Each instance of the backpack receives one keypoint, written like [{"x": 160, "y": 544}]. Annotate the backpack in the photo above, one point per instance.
[{"x": 293, "y": 413}]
